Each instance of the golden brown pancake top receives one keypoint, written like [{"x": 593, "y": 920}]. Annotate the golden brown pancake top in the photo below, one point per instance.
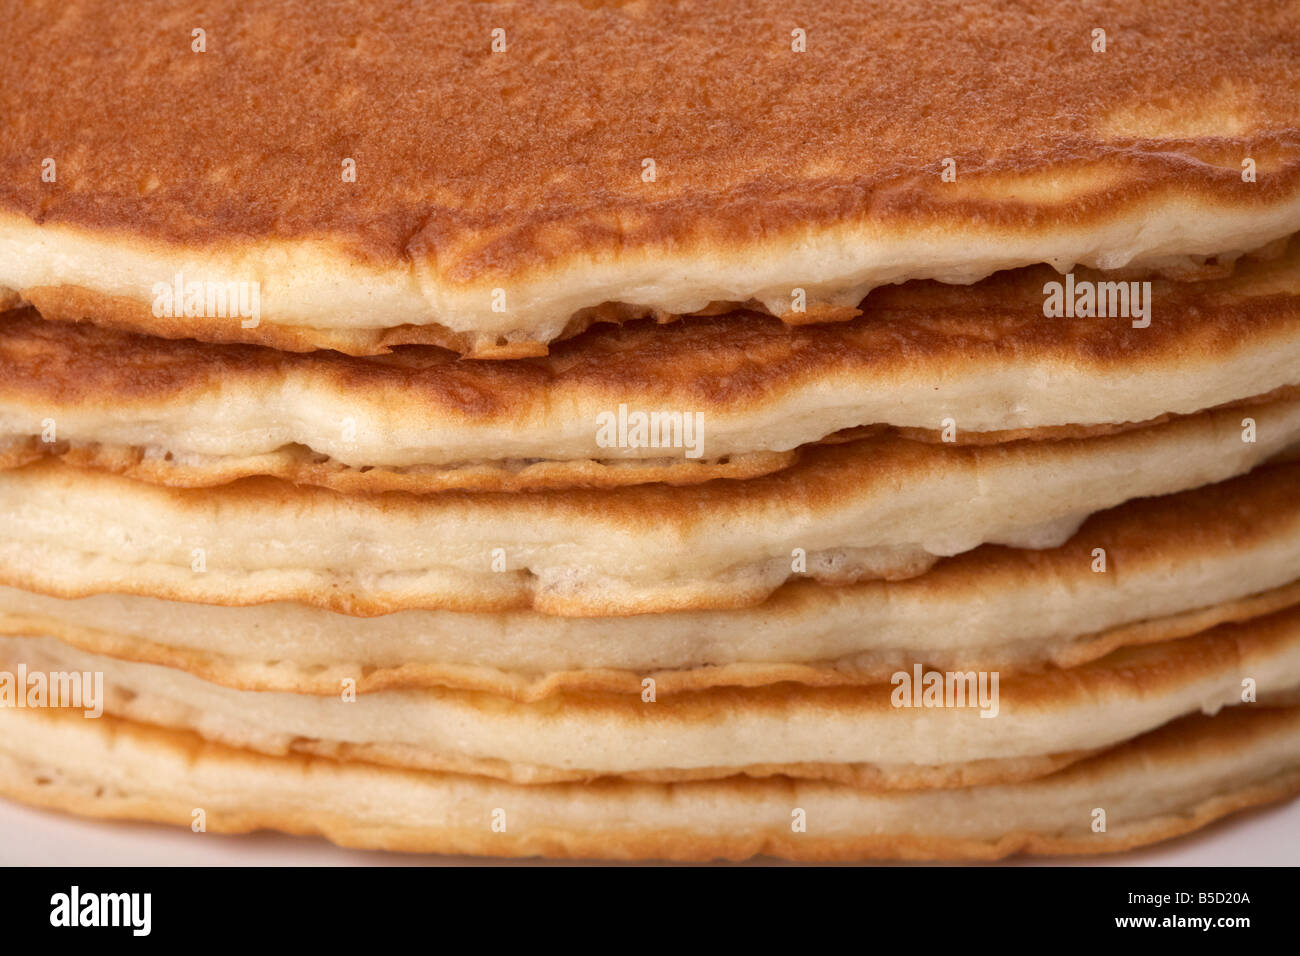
[{"x": 490, "y": 163}]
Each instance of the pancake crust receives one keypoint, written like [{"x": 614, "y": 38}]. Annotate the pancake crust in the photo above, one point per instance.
[
  {"x": 523, "y": 170},
  {"x": 1176, "y": 566},
  {"x": 1161, "y": 785},
  {"x": 181, "y": 413}
]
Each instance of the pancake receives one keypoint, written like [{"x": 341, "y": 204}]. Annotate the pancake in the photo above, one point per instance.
[
  {"x": 299, "y": 465},
  {"x": 1164, "y": 784},
  {"x": 502, "y": 200},
  {"x": 987, "y": 729},
  {"x": 181, "y": 413},
  {"x": 1175, "y": 566},
  {"x": 877, "y": 508}
]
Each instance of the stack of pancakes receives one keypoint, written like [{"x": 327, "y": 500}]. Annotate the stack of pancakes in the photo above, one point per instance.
[{"x": 909, "y": 562}]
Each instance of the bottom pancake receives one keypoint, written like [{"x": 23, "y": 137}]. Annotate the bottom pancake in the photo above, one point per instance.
[
  {"x": 922, "y": 730},
  {"x": 1164, "y": 784}
]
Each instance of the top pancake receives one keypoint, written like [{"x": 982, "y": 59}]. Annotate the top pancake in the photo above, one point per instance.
[{"x": 522, "y": 170}]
